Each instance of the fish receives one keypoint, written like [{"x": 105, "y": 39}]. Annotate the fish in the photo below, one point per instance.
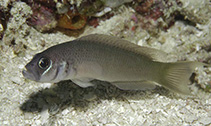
[{"x": 108, "y": 58}]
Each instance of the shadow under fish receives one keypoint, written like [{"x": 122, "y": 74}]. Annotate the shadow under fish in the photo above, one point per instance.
[{"x": 66, "y": 94}]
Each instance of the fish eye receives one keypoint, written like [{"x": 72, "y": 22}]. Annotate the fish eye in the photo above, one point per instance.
[{"x": 44, "y": 63}]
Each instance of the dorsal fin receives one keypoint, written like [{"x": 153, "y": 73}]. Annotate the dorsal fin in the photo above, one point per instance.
[{"x": 153, "y": 54}]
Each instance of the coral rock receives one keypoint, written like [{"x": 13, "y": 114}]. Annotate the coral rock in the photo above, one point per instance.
[
  {"x": 156, "y": 14},
  {"x": 197, "y": 11},
  {"x": 43, "y": 18},
  {"x": 93, "y": 22},
  {"x": 48, "y": 3},
  {"x": 115, "y": 3},
  {"x": 90, "y": 7},
  {"x": 155, "y": 9}
]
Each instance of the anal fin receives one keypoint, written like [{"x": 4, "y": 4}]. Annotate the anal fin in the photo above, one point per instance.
[
  {"x": 83, "y": 82},
  {"x": 135, "y": 85}
]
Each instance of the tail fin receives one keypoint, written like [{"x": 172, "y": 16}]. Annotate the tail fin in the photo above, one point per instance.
[{"x": 175, "y": 76}]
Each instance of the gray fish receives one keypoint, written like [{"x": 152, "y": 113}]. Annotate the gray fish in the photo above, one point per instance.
[{"x": 107, "y": 58}]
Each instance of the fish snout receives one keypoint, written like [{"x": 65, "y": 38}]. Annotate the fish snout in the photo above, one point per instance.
[{"x": 28, "y": 74}]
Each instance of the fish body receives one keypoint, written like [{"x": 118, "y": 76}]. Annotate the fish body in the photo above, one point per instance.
[{"x": 107, "y": 58}]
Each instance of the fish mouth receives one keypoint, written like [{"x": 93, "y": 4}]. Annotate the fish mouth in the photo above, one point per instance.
[{"x": 29, "y": 75}]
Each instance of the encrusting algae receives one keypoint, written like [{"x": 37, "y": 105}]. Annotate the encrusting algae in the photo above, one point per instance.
[{"x": 72, "y": 20}]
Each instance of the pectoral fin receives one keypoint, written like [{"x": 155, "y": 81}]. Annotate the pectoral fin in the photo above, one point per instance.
[
  {"x": 135, "y": 85},
  {"x": 83, "y": 82}
]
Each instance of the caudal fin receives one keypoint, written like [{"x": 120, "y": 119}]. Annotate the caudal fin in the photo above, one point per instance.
[{"x": 175, "y": 76}]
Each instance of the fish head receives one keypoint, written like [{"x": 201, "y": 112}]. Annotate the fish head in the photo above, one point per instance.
[{"x": 46, "y": 68}]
